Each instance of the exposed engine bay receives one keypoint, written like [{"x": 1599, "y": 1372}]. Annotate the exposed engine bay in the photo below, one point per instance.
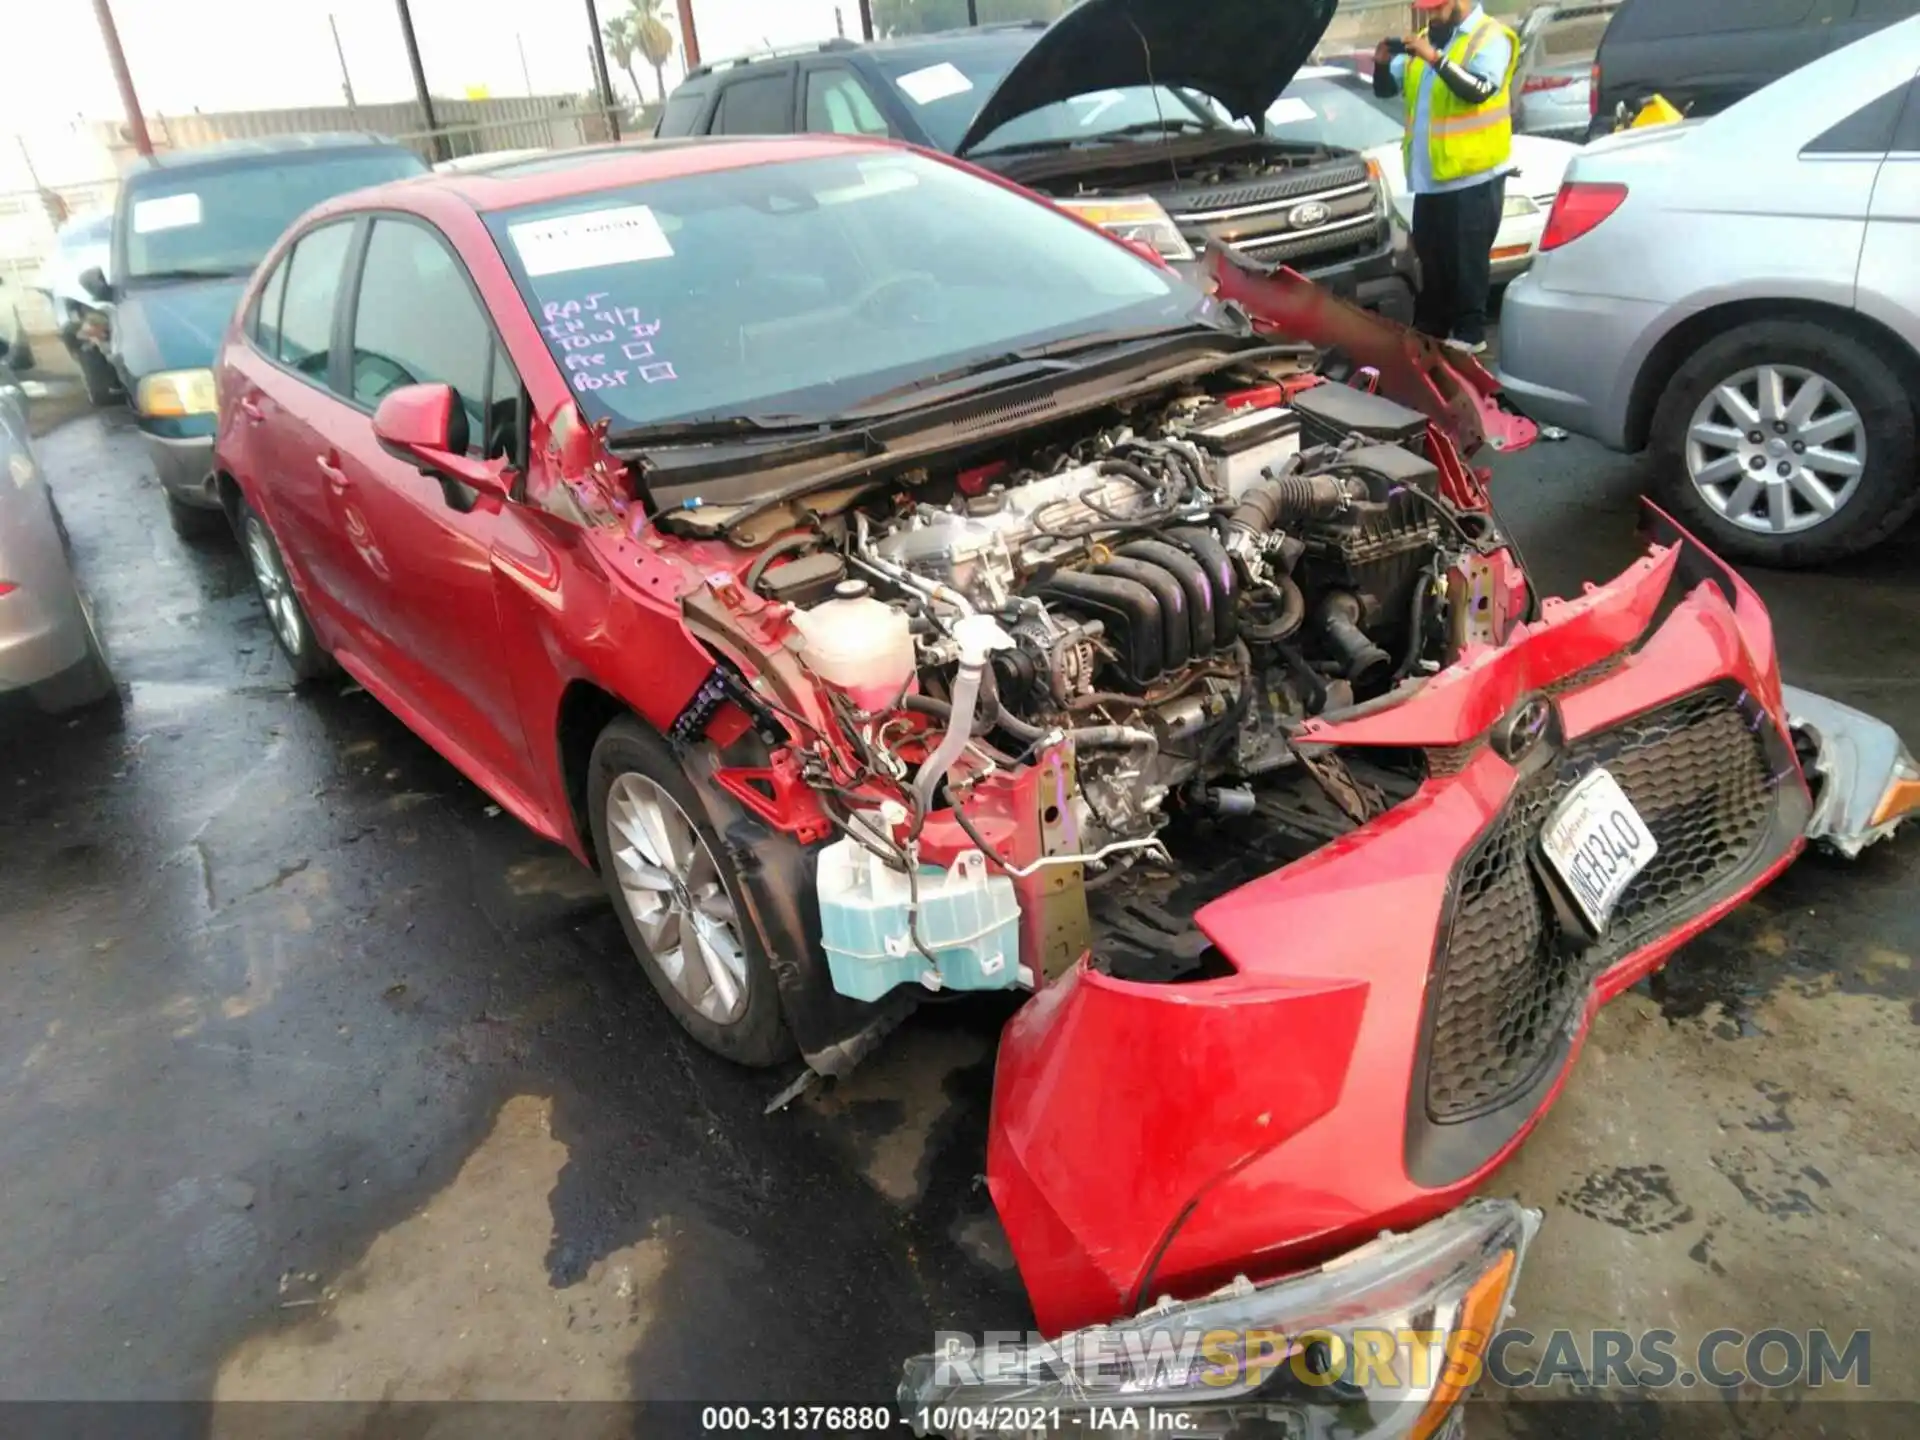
[
  {"x": 1220, "y": 158},
  {"x": 1147, "y": 613}
]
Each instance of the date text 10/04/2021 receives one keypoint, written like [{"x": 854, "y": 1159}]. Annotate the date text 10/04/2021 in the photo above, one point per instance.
[{"x": 1014, "y": 1419}]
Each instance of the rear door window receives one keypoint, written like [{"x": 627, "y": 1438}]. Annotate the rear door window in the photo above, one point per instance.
[
  {"x": 756, "y": 105},
  {"x": 305, "y": 341},
  {"x": 1868, "y": 131},
  {"x": 681, "y": 114},
  {"x": 266, "y": 310},
  {"x": 1906, "y": 135},
  {"x": 838, "y": 103}
]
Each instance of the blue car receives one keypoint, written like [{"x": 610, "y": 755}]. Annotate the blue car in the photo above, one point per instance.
[{"x": 188, "y": 230}]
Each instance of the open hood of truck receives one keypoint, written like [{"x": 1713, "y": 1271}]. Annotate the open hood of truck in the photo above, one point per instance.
[{"x": 1242, "y": 53}]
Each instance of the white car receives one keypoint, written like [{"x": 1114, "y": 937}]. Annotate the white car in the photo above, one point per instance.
[
  {"x": 1337, "y": 107},
  {"x": 79, "y": 245}
]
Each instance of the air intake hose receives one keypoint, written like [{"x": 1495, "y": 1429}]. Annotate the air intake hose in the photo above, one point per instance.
[
  {"x": 1283, "y": 501},
  {"x": 1361, "y": 661}
]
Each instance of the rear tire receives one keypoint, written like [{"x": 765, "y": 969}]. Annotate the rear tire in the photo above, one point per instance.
[
  {"x": 286, "y": 616},
  {"x": 1721, "y": 393},
  {"x": 677, "y": 894},
  {"x": 79, "y": 686}
]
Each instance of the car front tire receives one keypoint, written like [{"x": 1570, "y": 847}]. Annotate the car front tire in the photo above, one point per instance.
[
  {"x": 196, "y": 522},
  {"x": 286, "y": 616},
  {"x": 1787, "y": 443},
  {"x": 678, "y": 895},
  {"x": 97, "y": 374}
]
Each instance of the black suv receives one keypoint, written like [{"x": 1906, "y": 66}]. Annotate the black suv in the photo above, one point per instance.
[
  {"x": 1146, "y": 117},
  {"x": 1704, "y": 55}
]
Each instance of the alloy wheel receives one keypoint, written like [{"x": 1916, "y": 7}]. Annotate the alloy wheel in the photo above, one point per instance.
[
  {"x": 276, "y": 591},
  {"x": 1776, "y": 449},
  {"x": 671, "y": 885}
]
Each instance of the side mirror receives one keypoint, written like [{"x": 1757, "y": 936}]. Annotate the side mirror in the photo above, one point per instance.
[
  {"x": 94, "y": 281},
  {"x": 426, "y": 426}
]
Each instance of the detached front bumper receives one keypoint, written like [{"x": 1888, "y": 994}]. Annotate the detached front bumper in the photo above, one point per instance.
[{"x": 1404, "y": 1003}]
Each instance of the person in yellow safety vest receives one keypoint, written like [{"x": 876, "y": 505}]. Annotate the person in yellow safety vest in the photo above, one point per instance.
[{"x": 1457, "y": 76}]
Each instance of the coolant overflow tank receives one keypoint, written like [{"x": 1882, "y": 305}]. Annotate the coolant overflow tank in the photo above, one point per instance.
[
  {"x": 858, "y": 644},
  {"x": 969, "y": 919}
]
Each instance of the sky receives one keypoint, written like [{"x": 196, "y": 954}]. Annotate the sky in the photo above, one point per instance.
[{"x": 211, "y": 55}]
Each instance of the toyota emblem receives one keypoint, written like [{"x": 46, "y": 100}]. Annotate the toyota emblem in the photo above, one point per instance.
[
  {"x": 1523, "y": 729},
  {"x": 1308, "y": 215}
]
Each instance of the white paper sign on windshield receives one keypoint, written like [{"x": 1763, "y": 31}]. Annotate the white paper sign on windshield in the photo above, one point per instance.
[
  {"x": 166, "y": 212},
  {"x": 935, "y": 82},
  {"x": 621, "y": 235},
  {"x": 1290, "y": 110}
]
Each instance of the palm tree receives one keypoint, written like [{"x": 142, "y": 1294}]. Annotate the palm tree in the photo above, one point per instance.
[
  {"x": 639, "y": 33},
  {"x": 656, "y": 41},
  {"x": 622, "y": 47}
]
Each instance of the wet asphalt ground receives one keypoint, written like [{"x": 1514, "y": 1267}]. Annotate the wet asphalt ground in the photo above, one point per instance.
[{"x": 320, "y": 1078}]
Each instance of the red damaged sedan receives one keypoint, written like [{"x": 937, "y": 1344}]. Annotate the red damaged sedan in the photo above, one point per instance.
[{"x": 895, "y": 585}]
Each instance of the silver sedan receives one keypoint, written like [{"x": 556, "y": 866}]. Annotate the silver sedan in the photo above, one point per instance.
[
  {"x": 1739, "y": 296},
  {"x": 48, "y": 647}
]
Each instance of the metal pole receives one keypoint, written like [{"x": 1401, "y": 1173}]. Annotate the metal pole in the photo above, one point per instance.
[
  {"x": 690, "y": 37},
  {"x": 346, "y": 80},
  {"x": 607, "y": 102},
  {"x": 136, "y": 117},
  {"x": 525, "y": 74},
  {"x": 973, "y": 12},
  {"x": 436, "y": 141},
  {"x": 866, "y": 19}
]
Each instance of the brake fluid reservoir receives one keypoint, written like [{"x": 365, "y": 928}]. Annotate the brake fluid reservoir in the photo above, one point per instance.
[{"x": 857, "y": 644}]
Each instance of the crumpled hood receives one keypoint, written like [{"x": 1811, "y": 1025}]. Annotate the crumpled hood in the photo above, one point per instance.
[
  {"x": 174, "y": 326},
  {"x": 1240, "y": 52}
]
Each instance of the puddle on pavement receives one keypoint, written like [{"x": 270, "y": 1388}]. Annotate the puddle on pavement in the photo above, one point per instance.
[
  {"x": 454, "y": 1302},
  {"x": 891, "y": 1109},
  {"x": 1781, "y": 940}
]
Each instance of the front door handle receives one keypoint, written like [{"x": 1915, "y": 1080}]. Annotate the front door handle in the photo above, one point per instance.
[
  {"x": 329, "y": 464},
  {"x": 250, "y": 408}
]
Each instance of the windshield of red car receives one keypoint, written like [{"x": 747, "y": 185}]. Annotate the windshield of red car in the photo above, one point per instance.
[{"x": 801, "y": 288}]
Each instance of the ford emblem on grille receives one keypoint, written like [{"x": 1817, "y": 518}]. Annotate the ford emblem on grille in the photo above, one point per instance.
[{"x": 1306, "y": 216}]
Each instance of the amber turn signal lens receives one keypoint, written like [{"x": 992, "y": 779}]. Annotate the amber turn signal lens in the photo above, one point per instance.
[{"x": 1473, "y": 1329}]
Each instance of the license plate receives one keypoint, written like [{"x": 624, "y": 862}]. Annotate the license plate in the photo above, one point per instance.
[{"x": 1597, "y": 842}]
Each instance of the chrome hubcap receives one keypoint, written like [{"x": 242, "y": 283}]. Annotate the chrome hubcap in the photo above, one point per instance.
[
  {"x": 671, "y": 885},
  {"x": 276, "y": 593},
  {"x": 1776, "y": 449}
]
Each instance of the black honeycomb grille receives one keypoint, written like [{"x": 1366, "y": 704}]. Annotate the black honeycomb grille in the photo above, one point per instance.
[{"x": 1509, "y": 977}]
